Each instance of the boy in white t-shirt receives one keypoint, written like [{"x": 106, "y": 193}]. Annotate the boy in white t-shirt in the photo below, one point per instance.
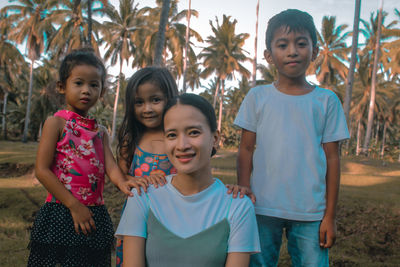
[{"x": 289, "y": 150}]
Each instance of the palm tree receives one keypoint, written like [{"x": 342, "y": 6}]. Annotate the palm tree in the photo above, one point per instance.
[
  {"x": 332, "y": 54},
  {"x": 186, "y": 46},
  {"x": 120, "y": 34},
  {"x": 72, "y": 32},
  {"x": 161, "y": 33},
  {"x": 269, "y": 73},
  {"x": 354, "y": 46},
  {"x": 373, "y": 83},
  {"x": 255, "y": 47},
  {"x": 175, "y": 37},
  {"x": 32, "y": 27},
  {"x": 11, "y": 65},
  {"x": 224, "y": 56},
  {"x": 391, "y": 51}
]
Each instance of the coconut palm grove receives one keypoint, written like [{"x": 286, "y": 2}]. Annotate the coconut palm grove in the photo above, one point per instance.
[{"x": 364, "y": 72}]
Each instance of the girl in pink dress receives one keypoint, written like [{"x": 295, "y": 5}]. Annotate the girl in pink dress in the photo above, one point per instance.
[{"x": 73, "y": 227}]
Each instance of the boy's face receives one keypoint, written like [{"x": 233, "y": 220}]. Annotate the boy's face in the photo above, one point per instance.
[{"x": 291, "y": 52}]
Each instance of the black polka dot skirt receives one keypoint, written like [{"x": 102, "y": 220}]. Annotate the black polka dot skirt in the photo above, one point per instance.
[{"x": 54, "y": 241}]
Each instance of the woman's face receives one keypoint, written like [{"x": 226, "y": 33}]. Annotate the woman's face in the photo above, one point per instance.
[{"x": 188, "y": 139}]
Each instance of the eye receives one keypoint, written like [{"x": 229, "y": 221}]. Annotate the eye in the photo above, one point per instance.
[
  {"x": 282, "y": 46},
  {"x": 138, "y": 102},
  {"x": 157, "y": 100},
  {"x": 95, "y": 85},
  {"x": 78, "y": 83},
  {"x": 194, "y": 133},
  {"x": 302, "y": 44},
  {"x": 170, "y": 135}
]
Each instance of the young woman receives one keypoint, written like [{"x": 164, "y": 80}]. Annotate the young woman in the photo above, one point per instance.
[{"x": 191, "y": 221}]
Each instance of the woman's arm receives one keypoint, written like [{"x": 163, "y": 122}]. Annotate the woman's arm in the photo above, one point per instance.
[
  {"x": 133, "y": 251},
  {"x": 51, "y": 132},
  {"x": 238, "y": 259}
]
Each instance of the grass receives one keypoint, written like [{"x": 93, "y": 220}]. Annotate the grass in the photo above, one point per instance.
[{"x": 368, "y": 210}]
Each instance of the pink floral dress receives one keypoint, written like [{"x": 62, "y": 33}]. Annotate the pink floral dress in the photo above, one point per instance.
[{"x": 79, "y": 159}]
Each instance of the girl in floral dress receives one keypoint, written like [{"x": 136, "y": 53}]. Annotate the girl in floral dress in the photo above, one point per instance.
[
  {"x": 73, "y": 227},
  {"x": 141, "y": 150}
]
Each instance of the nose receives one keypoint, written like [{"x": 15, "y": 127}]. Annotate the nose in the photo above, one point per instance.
[
  {"x": 85, "y": 89},
  {"x": 292, "y": 50},
  {"x": 147, "y": 107},
  {"x": 182, "y": 142}
]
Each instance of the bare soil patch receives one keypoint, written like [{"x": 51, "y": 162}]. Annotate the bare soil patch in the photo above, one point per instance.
[{"x": 15, "y": 169}]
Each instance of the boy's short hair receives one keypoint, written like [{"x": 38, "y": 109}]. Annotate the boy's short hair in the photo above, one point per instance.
[{"x": 294, "y": 20}]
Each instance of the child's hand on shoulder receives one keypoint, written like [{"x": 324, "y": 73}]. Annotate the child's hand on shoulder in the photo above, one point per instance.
[
  {"x": 327, "y": 232},
  {"x": 83, "y": 218},
  {"x": 133, "y": 182},
  {"x": 235, "y": 189},
  {"x": 156, "y": 179}
]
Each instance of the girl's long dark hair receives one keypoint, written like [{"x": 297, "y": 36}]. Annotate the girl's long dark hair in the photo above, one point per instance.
[{"x": 132, "y": 130}]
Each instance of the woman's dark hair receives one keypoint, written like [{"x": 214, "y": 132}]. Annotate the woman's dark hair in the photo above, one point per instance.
[
  {"x": 199, "y": 103},
  {"x": 293, "y": 20},
  {"x": 84, "y": 56},
  {"x": 131, "y": 129}
]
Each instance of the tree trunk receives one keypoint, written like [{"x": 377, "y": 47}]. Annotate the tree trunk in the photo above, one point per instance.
[
  {"x": 358, "y": 148},
  {"x": 89, "y": 37},
  {"x": 377, "y": 132},
  {"x": 28, "y": 106},
  {"x": 216, "y": 93},
  {"x": 373, "y": 84},
  {"x": 221, "y": 104},
  {"x": 161, "y": 33},
  {"x": 114, "y": 121},
  {"x": 383, "y": 139},
  {"x": 354, "y": 45},
  {"x": 255, "y": 47},
  {"x": 186, "y": 47},
  {"x": 4, "y": 123}
]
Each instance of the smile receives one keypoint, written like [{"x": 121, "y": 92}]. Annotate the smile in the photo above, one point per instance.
[
  {"x": 185, "y": 158},
  {"x": 293, "y": 63}
]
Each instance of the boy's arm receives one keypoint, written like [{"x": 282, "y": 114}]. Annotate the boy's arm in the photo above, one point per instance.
[
  {"x": 245, "y": 157},
  {"x": 327, "y": 229}
]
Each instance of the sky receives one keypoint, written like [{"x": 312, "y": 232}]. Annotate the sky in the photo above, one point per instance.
[{"x": 244, "y": 11}]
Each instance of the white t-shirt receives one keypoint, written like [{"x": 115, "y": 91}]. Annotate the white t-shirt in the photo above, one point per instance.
[
  {"x": 289, "y": 163},
  {"x": 188, "y": 215}
]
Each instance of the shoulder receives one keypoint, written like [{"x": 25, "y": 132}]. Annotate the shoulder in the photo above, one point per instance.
[
  {"x": 323, "y": 92},
  {"x": 260, "y": 90},
  {"x": 54, "y": 122},
  {"x": 236, "y": 203}
]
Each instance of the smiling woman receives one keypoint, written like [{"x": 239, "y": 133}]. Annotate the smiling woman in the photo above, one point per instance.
[{"x": 191, "y": 221}]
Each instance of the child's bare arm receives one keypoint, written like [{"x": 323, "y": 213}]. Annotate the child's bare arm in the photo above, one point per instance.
[
  {"x": 51, "y": 132},
  {"x": 114, "y": 172},
  {"x": 328, "y": 224},
  {"x": 245, "y": 157}
]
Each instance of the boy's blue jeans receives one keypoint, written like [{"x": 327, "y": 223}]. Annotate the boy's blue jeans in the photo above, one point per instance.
[{"x": 303, "y": 243}]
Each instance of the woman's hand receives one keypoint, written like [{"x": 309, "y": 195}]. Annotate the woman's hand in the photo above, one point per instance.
[
  {"x": 235, "y": 189},
  {"x": 156, "y": 179},
  {"x": 83, "y": 218}
]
